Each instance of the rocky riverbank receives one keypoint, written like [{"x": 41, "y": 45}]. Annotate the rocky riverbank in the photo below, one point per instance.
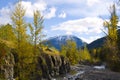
[
  {"x": 91, "y": 73},
  {"x": 94, "y": 73}
]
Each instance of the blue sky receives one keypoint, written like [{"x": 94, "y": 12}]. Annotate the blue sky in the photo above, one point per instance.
[{"x": 82, "y": 18}]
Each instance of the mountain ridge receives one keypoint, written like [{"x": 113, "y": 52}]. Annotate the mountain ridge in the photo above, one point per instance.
[
  {"x": 58, "y": 41},
  {"x": 96, "y": 43}
]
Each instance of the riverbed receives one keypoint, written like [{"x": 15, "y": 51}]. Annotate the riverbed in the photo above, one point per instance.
[{"x": 84, "y": 72}]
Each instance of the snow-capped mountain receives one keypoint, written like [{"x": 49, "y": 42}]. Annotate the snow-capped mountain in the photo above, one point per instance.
[{"x": 58, "y": 41}]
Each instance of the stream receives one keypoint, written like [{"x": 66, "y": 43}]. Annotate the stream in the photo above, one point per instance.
[{"x": 77, "y": 71}]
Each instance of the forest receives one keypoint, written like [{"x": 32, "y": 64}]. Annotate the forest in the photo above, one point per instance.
[{"x": 23, "y": 56}]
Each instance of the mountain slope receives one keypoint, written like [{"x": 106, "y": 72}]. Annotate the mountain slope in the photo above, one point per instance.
[
  {"x": 97, "y": 43},
  {"x": 58, "y": 41}
]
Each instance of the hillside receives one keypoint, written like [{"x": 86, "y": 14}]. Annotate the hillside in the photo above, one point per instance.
[{"x": 97, "y": 43}]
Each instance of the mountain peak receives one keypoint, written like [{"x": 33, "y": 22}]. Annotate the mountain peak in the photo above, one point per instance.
[
  {"x": 66, "y": 37},
  {"x": 58, "y": 41}
]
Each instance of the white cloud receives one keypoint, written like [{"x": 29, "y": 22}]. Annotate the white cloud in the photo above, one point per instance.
[
  {"x": 83, "y": 8},
  {"x": 5, "y": 16},
  {"x": 31, "y": 7},
  {"x": 90, "y": 39},
  {"x": 47, "y": 12},
  {"x": 41, "y": 6},
  {"x": 119, "y": 23},
  {"x": 59, "y": 2},
  {"x": 69, "y": 33},
  {"x": 92, "y": 2},
  {"x": 51, "y": 13},
  {"x": 62, "y": 15},
  {"x": 89, "y": 8},
  {"x": 4, "y": 20},
  {"x": 90, "y": 26}
]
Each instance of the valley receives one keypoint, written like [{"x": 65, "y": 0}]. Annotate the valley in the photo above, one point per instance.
[{"x": 59, "y": 40}]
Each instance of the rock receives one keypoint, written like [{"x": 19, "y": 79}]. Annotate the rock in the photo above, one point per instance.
[
  {"x": 78, "y": 79},
  {"x": 52, "y": 65},
  {"x": 47, "y": 66},
  {"x": 97, "y": 74},
  {"x": 43, "y": 67},
  {"x": 89, "y": 73},
  {"x": 65, "y": 66},
  {"x": 8, "y": 67}
]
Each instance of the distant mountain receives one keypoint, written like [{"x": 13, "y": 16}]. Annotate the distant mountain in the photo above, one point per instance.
[
  {"x": 97, "y": 43},
  {"x": 58, "y": 41}
]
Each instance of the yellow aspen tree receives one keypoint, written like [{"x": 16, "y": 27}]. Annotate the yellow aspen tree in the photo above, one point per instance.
[{"x": 36, "y": 29}]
